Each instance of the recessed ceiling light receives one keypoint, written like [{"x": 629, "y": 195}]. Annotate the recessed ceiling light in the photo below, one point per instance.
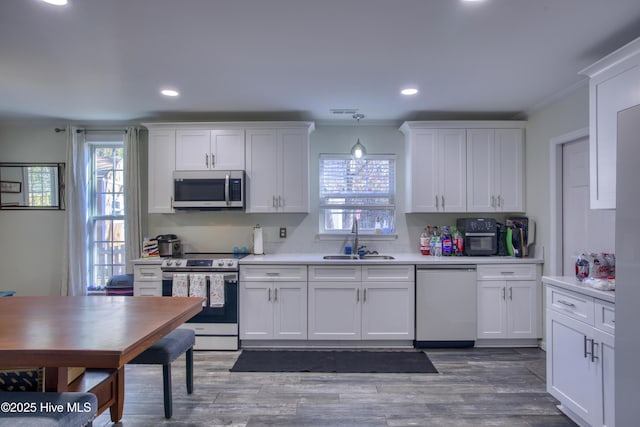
[
  {"x": 169, "y": 92},
  {"x": 56, "y": 2},
  {"x": 409, "y": 91}
]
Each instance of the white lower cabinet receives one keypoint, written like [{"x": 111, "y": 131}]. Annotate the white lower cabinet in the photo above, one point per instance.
[
  {"x": 273, "y": 302},
  {"x": 147, "y": 278},
  {"x": 508, "y": 307},
  {"x": 580, "y": 359},
  {"x": 361, "y": 302}
]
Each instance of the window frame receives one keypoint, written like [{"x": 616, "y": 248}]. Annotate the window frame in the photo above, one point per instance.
[{"x": 324, "y": 208}]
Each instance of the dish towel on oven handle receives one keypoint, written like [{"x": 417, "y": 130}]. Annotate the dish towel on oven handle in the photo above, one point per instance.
[
  {"x": 180, "y": 285},
  {"x": 198, "y": 286},
  {"x": 216, "y": 290}
]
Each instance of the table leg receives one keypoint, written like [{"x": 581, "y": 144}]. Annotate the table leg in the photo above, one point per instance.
[
  {"x": 56, "y": 379},
  {"x": 117, "y": 408}
]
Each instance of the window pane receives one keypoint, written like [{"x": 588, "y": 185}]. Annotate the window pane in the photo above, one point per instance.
[{"x": 341, "y": 220}]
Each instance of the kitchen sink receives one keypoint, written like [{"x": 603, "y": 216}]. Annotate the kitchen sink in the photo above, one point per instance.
[
  {"x": 377, "y": 257},
  {"x": 340, "y": 257},
  {"x": 355, "y": 258}
]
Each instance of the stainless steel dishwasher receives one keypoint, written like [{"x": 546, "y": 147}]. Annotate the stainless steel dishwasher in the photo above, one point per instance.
[{"x": 446, "y": 305}]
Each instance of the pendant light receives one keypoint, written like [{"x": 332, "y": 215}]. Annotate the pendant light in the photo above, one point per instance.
[{"x": 358, "y": 151}]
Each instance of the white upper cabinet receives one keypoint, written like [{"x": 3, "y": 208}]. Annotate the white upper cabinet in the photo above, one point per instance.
[
  {"x": 162, "y": 150},
  {"x": 277, "y": 167},
  {"x": 495, "y": 175},
  {"x": 203, "y": 149},
  {"x": 614, "y": 86},
  {"x": 436, "y": 169}
]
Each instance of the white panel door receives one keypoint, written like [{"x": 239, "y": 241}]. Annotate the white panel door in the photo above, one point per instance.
[
  {"x": 423, "y": 179},
  {"x": 256, "y": 310},
  {"x": 452, "y": 167},
  {"x": 481, "y": 164},
  {"x": 290, "y": 310},
  {"x": 193, "y": 149},
  {"x": 388, "y": 310},
  {"x": 522, "y": 306},
  {"x": 162, "y": 162},
  {"x": 227, "y": 149},
  {"x": 509, "y": 173},
  {"x": 334, "y": 311},
  {"x": 492, "y": 312},
  {"x": 293, "y": 170},
  {"x": 262, "y": 170}
]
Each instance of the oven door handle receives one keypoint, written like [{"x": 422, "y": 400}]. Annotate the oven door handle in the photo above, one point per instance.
[{"x": 226, "y": 190}]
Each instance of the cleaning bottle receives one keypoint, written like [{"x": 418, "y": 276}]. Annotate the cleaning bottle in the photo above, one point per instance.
[
  {"x": 458, "y": 243},
  {"x": 425, "y": 242},
  {"x": 447, "y": 242}
]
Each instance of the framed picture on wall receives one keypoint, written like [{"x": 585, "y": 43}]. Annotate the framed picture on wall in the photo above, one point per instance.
[{"x": 10, "y": 187}]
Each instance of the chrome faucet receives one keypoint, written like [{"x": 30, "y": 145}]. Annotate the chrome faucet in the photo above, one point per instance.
[{"x": 354, "y": 229}]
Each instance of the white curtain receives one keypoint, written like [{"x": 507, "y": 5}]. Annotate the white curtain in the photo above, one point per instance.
[
  {"x": 133, "y": 222},
  {"x": 74, "y": 275}
]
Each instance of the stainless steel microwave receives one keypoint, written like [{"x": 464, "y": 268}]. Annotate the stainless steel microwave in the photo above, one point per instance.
[{"x": 208, "y": 190}]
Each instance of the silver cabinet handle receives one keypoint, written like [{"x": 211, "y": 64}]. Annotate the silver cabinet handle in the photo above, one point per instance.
[
  {"x": 586, "y": 353},
  {"x": 280, "y": 202},
  {"x": 213, "y": 160},
  {"x": 500, "y": 199},
  {"x": 269, "y": 298},
  {"x": 504, "y": 294},
  {"x": 364, "y": 299},
  {"x": 206, "y": 160},
  {"x": 568, "y": 304},
  {"x": 437, "y": 205},
  {"x": 357, "y": 295},
  {"x": 276, "y": 295},
  {"x": 272, "y": 273},
  {"x": 511, "y": 294},
  {"x": 442, "y": 202},
  {"x": 493, "y": 201},
  {"x": 275, "y": 203},
  {"x": 593, "y": 351}
]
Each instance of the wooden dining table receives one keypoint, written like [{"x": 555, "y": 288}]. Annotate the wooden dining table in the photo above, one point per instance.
[{"x": 99, "y": 333}]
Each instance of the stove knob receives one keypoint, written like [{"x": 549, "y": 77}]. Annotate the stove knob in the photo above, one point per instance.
[
  {"x": 220, "y": 263},
  {"x": 169, "y": 262},
  {"x": 230, "y": 263},
  {"x": 178, "y": 262}
]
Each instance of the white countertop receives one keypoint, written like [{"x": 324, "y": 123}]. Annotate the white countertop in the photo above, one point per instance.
[
  {"x": 150, "y": 260},
  {"x": 399, "y": 258},
  {"x": 572, "y": 284}
]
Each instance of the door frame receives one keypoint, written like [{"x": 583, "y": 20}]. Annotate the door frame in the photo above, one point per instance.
[{"x": 555, "y": 196}]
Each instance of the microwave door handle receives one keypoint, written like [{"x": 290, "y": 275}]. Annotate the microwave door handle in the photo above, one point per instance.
[{"x": 226, "y": 189}]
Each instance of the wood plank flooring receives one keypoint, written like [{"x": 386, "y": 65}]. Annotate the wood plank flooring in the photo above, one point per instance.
[{"x": 474, "y": 387}]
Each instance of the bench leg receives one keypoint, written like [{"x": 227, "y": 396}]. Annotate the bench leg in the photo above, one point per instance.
[
  {"x": 166, "y": 380},
  {"x": 190, "y": 370}
]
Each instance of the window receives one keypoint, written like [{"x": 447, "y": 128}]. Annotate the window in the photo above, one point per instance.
[
  {"x": 106, "y": 211},
  {"x": 41, "y": 184},
  {"x": 357, "y": 189}
]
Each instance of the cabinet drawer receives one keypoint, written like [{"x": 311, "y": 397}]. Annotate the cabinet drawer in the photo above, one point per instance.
[
  {"x": 404, "y": 273},
  {"x": 147, "y": 273},
  {"x": 570, "y": 304},
  {"x": 212, "y": 328},
  {"x": 507, "y": 272},
  {"x": 147, "y": 289},
  {"x": 605, "y": 316},
  {"x": 273, "y": 272},
  {"x": 335, "y": 272}
]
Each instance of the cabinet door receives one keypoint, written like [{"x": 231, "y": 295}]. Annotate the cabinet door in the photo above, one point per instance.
[
  {"x": 612, "y": 91},
  {"x": 523, "y": 303},
  {"x": 606, "y": 353},
  {"x": 227, "y": 149},
  {"x": 481, "y": 164},
  {"x": 193, "y": 149},
  {"x": 452, "y": 170},
  {"x": 262, "y": 170},
  {"x": 256, "y": 310},
  {"x": 290, "y": 310},
  {"x": 571, "y": 375},
  {"x": 334, "y": 311},
  {"x": 162, "y": 152},
  {"x": 492, "y": 310},
  {"x": 422, "y": 180},
  {"x": 293, "y": 170},
  {"x": 388, "y": 310},
  {"x": 509, "y": 173}
]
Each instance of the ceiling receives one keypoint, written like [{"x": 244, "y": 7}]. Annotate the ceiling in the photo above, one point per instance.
[{"x": 106, "y": 60}]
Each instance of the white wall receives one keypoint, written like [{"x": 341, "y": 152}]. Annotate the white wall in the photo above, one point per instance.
[{"x": 31, "y": 241}]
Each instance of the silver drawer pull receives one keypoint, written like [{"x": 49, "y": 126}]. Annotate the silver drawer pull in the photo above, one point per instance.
[
  {"x": 272, "y": 274},
  {"x": 507, "y": 272},
  {"x": 568, "y": 304}
]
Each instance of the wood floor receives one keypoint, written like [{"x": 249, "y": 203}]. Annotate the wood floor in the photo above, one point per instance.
[{"x": 474, "y": 387}]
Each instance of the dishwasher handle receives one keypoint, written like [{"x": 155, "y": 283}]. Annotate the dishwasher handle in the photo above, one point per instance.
[{"x": 446, "y": 267}]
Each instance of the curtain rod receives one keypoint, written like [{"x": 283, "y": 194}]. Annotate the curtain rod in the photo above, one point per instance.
[{"x": 57, "y": 130}]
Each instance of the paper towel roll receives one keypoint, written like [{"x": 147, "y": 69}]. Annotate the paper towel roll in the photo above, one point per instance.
[{"x": 257, "y": 240}]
